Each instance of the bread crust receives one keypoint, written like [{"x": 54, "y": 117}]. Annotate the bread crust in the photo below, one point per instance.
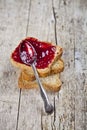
[
  {"x": 50, "y": 83},
  {"x": 57, "y": 67}
]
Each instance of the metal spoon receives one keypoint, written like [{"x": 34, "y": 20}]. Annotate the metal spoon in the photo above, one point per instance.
[{"x": 28, "y": 56}]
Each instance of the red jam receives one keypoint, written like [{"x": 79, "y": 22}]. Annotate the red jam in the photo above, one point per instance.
[
  {"x": 27, "y": 53},
  {"x": 45, "y": 52}
]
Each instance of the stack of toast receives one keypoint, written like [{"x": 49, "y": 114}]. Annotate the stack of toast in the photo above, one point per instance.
[{"x": 49, "y": 75}]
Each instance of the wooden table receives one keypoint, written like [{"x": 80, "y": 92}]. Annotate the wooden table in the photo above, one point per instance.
[{"x": 63, "y": 22}]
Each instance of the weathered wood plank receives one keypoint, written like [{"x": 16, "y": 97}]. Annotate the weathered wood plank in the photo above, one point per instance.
[
  {"x": 72, "y": 96},
  {"x": 13, "y": 22},
  {"x": 65, "y": 108},
  {"x": 80, "y": 19}
]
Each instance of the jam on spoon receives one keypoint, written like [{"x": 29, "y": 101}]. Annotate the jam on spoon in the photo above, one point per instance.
[
  {"x": 28, "y": 56},
  {"x": 27, "y": 53}
]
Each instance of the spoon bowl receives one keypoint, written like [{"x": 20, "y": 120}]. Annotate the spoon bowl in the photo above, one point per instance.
[{"x": 27, "y": 52}]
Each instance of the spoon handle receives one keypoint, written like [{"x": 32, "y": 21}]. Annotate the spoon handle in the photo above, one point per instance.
[{"x": 48, "y": 107}]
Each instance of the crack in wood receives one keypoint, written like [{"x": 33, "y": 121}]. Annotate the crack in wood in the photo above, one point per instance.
[
  {"x": 54, "y": 110},
  {"x": 54, "y": 117},
  {"x": 41, "y": 120},
  {"x": 54, "y": 15},
  {"x": 85, "y": 102},
  {"x": 28, "y": 17},
  {"x": 64, "y": 2},
  {"x": 74, "y": 50},
  {"x": 18, "y": 109},
  {"x": 74, "y": 35},
  {"x": 52, "y": 125}
]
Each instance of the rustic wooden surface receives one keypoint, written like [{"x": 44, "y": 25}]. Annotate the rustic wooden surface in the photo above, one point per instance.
[{"x": 63, "y": 22}]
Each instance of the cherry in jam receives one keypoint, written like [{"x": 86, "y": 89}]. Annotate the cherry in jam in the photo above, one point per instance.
[{"x": 45, "y": 52}]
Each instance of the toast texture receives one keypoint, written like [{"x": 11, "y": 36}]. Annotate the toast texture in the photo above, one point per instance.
[
  {"x": 57, "y": 67},
  {"x": 50, "y": 83}
]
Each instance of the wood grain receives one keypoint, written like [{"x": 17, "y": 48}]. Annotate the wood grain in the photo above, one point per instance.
[
  {"x": 13, "y": 22},
  {"x": 63, "y": 22}
]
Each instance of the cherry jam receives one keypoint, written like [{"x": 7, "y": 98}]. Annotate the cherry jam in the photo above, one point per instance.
[
  {"x": 45, "y": 52},
  {"x": 27, "y": 53}
]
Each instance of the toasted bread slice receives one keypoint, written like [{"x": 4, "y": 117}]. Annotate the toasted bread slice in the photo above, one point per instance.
[
  {"x": 49, "y": 74},
  {"x": 50, "y": 83},
  {"x": 42, "y": 72},
  {"x": 57, "y": 67},
  {"x": 57, "y": 54}
]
